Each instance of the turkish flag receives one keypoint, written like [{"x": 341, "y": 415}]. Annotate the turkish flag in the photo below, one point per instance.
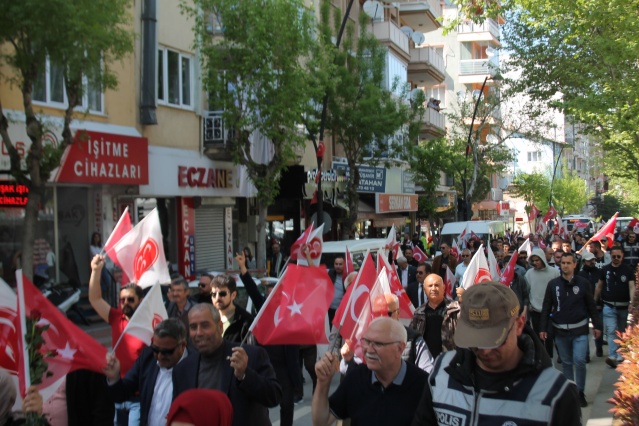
[
  {"x": 121, "y": 228},
  {"x": 295, "y": 311},
  {"x": 477, "y": 271},
  {"x": 552, "y": 212},
  {"x": 634, "y": 224},
  {"x": 581, "y": 225},
  {"x": 391, "y": 242},
  {"x": 542, "y": 244},
  {"x": 449, "y": 282},
  {"x": 462, "y": 237},
  {"x": 356, "y": 298},
  {"x": 474, "y": 236},
  {"x": 141, "y": 252},
  {"x": 541, "y": 228},
  {"x": 455, "y": 251},
  {"x": 508, "y": 274},
  {"x": 348, "y": 264},
  {"x": 150, "y": 313},
  {"x": 493, "y": 267},
  {"x": 534, "y": 212},
  {"x": 406, "y": 308},
  {"x": 296, "y": 248},
  {"x": 74, "y": 348},
  {"x": 608, "y": 230},
  {"x": 526, "y": 246},
  {"x": 419, "y": 255},
  {"x": 315, "y": 243}
]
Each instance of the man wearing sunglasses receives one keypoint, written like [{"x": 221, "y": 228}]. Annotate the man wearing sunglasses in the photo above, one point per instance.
[
  {"x": 384, "y": 391},
  {"x": 130, "y": 348},
  {"x": 152, "y": 373},
  {"x": 616, "y": 288},
  {"x": 499, "y": 373},
  {"x": 236, "y": 319}
]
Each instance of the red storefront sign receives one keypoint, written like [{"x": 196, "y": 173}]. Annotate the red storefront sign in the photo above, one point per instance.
[
  {"x": 13, "y": 195},
  {"x": 389, "y": 203},
  {"x": 96, "y": 157},
  {"x": 186, "y": 237}
]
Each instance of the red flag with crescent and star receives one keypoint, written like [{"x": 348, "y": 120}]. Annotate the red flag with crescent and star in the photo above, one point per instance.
[
  {"x": 508, "y": 274},
  {"x": 295, "y": 311},
  {"x": 608, "y": 230},
  {"x": 406, "y": 308},
  {"x": 419, "y": 255},
  {"x": 74, "y": 349}
]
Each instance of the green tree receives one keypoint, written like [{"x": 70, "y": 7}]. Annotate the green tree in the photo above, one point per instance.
[
  {"x": 534, "y": 188},
  {"x": 83, "y": 38},
  {"x": 569, "y": 194},
  {"x": 258, "y": 74},
  {"x": 427, "y": 159},
  {"x": 577, "y": 57},
  {"x": 370, "y": 122}
]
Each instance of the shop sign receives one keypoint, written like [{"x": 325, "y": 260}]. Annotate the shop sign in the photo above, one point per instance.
[
  {"x": 390, "y": 203},
  {"x": 205, "y": 177},
  {"x": 186, "y": 237},
  {"x": 408, "y": 182},
  {"x": 371, "y": 179},
  {"x": 13, "y": 194},
  {"x": 96, "y": 157}
]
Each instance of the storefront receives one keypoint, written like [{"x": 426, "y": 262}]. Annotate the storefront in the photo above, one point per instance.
[{"x": 206, "y": 228}]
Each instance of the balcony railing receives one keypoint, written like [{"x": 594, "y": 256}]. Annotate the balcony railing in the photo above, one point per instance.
[
  {"x": 477, "y": 66},
  {"x": 434, "y": 6},
  {"x": 433, "y": 121},
  {"x": 388, "y": 32},
  {"x": 488, "y": 26},
  {"x": 433, "y": 61}
]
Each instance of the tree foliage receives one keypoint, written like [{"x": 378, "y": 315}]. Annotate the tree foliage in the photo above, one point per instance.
[
  {"x": 534, "y": 188},
  {"x": 584, "y": 51},
  {"x": 257, "y": 73},
  {"x": 370, "y": 122},
  {"x": 83, "y": 38},
  {"x": 569, "y": 194}
]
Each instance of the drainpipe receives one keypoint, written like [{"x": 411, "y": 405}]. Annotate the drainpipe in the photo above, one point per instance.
[{"x": 149, "y": 55}]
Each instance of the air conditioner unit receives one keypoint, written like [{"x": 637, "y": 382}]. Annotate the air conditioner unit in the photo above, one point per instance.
[{"x": 496, "y": 194}]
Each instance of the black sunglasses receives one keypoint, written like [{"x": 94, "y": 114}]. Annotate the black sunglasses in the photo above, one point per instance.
[
  {"x": 163, "y": 351},
  {"x": 219, "y": 293},
  {"x": 129, "y": 299},
  {"x": 617, "y": 257},
  {"x": 202, "y": 285}
]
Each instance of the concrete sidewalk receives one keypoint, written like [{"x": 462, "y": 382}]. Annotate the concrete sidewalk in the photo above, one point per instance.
[{"x": 600, "y": 386}]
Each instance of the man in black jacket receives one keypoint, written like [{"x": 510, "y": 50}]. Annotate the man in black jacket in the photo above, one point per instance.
[
  {"x": 236, "y": 320},
  {"x": 590, "y": 272},
  {"x": 152, "y": 375},
  {"x": 568, "y": 303},
  {"x": 243, "y": 373}
]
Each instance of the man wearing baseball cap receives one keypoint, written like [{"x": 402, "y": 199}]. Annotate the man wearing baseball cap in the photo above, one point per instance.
[{"x": 499, "y": 372}]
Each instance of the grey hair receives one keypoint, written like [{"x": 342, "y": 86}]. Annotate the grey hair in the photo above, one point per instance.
[
  {"x": 396, "y": 329},
  {"x": 171, "y": 327},
  {"x": 207, "y": 307},
  {"x": 402, "y": 259}
]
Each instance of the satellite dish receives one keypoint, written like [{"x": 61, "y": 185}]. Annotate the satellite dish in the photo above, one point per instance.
[
  {"x": 374, "y": 9},
  {"x": 407, "y": 30},
  {"x": 418, "y": 38},
  {"x": 415, "y": 93}
]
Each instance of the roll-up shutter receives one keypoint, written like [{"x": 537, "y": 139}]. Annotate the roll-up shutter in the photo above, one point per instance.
[{"x": 209, "y": 239}]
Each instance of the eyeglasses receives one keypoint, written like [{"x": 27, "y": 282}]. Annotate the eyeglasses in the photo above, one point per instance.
[
  {"x": 390, "y": 313},
  {"x": 163, "y": 351},
  {"x": 129, "y": 299},
  {"x": 218, "y": 293},
  {"x": 617, "y": 257},
  {"x": 373, "y": 344},
  {"x": 202, "y": 285},
  {"x": 465, "y": 255},
  {"x": 420, "y": 272}
]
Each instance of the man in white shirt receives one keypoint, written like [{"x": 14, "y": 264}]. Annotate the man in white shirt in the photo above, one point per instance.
[{"x": 152, "y": 373}]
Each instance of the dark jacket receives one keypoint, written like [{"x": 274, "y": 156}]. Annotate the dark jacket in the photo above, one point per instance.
[
  {"x": 412, "y": 274},
  {"x": 88, "y": 399},
  {"x": 450, "y": 312},
  {"x": 239, "y": 328},
  {"x": 141, "y": 378},
  {"x": 412, "y": 289},
  {"x": 437, "y": 263},
  {"x": 454, "y": 375},
  {"x": 567, "y": 306},
  {"x": 251, "y": 398}
]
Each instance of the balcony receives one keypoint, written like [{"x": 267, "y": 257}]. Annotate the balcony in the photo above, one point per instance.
[
  {"x": 389, "y": 34},
  {"x": 486, "y": 31},
  {"x": 421, "y": 15},
  {"x": 476, "y": 70},
  {"x": 433, "y": 124},
  {"x": 426, "y": 66},
  {"x": 216, "y": 138}
]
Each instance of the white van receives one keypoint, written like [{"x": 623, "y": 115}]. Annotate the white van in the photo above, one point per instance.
[
  {"x": 484, "y": 229},
  {"x": 585, "y": 226},
  {"x": 357, "y": 248}
]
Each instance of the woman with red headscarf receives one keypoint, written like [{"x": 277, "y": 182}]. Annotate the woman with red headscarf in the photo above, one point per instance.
[{"x": 201, "y": 407}]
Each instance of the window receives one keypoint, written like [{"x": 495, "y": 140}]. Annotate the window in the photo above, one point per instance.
[
  {"x": 534, "y": 156},
  {"x": 175, "y": 76},
  {"x": 49, "y": 89}
]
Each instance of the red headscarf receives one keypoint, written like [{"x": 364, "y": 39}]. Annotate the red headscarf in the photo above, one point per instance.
[{"x": 201, "y": 407}]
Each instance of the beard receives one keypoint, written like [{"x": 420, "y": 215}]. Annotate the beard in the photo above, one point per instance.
[{"x": 128, "y": 310}]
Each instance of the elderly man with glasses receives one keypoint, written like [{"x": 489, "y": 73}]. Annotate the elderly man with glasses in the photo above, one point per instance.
[
  {"x": 616, "y": 288},
  {"x": 499, "y": 373},
  {"x": 386, "y": 390}
]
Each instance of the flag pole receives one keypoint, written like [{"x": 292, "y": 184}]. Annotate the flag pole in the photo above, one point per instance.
[{"x": 23, "y": 327}]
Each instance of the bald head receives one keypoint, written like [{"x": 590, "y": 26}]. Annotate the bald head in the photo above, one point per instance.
[
  {"x": 388, "y": 327},
  {"x": 434, "y": 289}
]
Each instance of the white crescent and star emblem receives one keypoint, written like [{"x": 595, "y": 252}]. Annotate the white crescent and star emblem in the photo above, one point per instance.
[
  {"x": 361, "y": 289},
  {"x": 67, "y": 352},
  {"x": 295, "y": 308}
]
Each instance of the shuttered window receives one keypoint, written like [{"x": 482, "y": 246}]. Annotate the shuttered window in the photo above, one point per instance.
[{"x": 209, "y": 239}]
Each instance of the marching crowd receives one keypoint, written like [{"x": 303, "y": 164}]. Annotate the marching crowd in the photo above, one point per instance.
[{"x": 483, "y": 356}]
